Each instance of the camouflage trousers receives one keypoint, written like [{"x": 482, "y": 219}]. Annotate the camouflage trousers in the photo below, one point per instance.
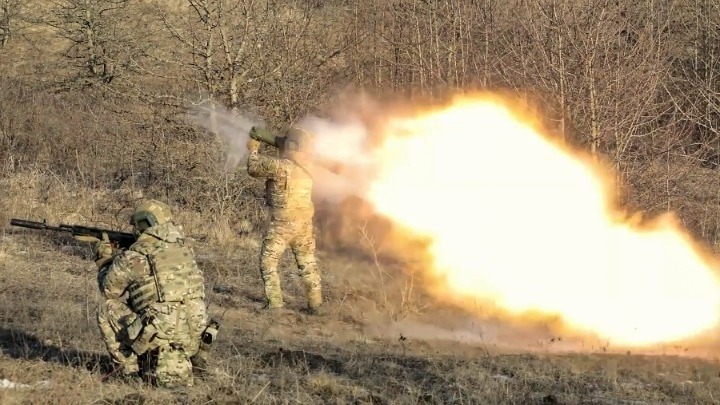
[
  {"x": 300, "y": 237},
  {"x": 177, "y": 328}
]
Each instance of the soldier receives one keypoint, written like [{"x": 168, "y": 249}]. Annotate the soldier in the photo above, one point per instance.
[
  {"x": 288, "y": 193},
  {"x": 164, "y": 314}
]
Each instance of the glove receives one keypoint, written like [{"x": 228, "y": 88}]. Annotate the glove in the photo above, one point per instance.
[
  {"x": 253, "y": 145},
  {"x": 103, "y": 249}
]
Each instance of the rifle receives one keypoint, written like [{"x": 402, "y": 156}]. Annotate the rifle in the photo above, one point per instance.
[{"x": 122, "y": 240}]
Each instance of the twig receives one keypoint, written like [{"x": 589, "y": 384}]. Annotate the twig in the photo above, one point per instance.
[
  {"x": 260, "y": 392},
  {"x": 370, "y": 244}
]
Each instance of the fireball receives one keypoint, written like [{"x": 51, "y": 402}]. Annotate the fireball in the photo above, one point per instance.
[{"x": 521, "y": 223}]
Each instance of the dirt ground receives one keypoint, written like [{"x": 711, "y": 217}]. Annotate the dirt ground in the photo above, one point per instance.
[{"x": 372, "y": 347}]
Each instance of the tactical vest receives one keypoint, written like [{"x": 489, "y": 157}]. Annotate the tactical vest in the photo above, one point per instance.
[
  {"x": 174, "y": 275},
  {"x": 290, "y": 194}
]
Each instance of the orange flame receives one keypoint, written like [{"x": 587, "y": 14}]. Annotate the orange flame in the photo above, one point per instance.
[{"x": 521, "y": 222}]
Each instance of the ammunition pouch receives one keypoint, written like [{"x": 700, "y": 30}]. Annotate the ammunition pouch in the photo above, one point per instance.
[{"x": 142, "y": 333}]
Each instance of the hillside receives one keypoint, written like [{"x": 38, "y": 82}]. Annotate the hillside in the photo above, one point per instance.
[
  {"x": 355, "y": 354},
  {"x": 382, "y": 341},
  {"x": 99, "y": 107}
]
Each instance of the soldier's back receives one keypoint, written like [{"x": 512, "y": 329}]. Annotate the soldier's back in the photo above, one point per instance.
[{"x": 290, "y": 194}]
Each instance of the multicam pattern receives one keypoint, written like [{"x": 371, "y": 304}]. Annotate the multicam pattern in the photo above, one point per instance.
[
  {"x": 173, "y": 367},
  {"x": 158, "y": 209},
  {"x": 103, "y": 249},
  {"x": 299, "y": 236},
  {"x": 175, "y": 277},
  {"x": 114, "y": 318},
  {"x": 288, "y": 187},
  {"x": 166, "y": 291},
  {"x": 289, "y": 194}
]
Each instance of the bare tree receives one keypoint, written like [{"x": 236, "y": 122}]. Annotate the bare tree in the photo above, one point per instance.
[
  {"x": 10, "y": 11},
  {"x": 695, "y": 82},
  {"x": 252, "y": 52},
  {"x": 103, "y": 35}
]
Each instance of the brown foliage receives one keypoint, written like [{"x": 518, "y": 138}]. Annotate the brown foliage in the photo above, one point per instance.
[{"x": 634, "y": 83}]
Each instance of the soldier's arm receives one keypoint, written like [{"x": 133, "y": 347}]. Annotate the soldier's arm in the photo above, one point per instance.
[
  {"x": 263, "y": 166},
  {"x": 115, "y": 277}
]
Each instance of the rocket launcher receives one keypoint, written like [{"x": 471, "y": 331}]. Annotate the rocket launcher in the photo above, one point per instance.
[{"x": 277, "y": 141}]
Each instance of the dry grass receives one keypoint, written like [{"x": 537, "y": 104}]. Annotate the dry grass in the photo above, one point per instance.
[
  {"x": 75, "y": 149},
  {"x": 354, "y": 354}
]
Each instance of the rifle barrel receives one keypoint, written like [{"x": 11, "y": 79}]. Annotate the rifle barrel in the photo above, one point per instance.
[{"x": 28, "y": 224}]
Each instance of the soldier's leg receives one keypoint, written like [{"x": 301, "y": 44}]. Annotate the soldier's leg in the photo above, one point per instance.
[
  {"x": 272, "y": 249},
  {"x": 174, "y": 344},
  {"x": 303, "y": 247},
  {"x": 195, "y": 313},
  {"x": 113, "y": 318},
  {"x": 174, "y": 368},
  {"x": 198, "y": 321}
]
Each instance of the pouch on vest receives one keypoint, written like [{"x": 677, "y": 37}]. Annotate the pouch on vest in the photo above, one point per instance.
[
  {"x": 177, "y": 277},
  {"x": 135, "y": 328},
  {"x": 144, "y": 333}
]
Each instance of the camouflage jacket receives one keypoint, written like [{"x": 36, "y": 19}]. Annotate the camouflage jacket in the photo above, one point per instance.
[
  {"x": 288, "y": 186},
  {"x": 132, "y": 270}
]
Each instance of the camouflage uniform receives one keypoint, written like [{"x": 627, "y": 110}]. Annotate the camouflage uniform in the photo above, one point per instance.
[
  {"x": 165, "y": 312},
  {"x": 289, "y": 195}
]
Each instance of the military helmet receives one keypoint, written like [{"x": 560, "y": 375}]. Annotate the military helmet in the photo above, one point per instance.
[
  {"x": 150, "y": 213},
  {"x": 299, "y": 140}
]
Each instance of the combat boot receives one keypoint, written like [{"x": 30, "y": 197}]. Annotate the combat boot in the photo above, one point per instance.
[
  {"x": 130, "y": 374},
  {"x": 275, "y": 310},
  {"x": 129, "y": 365},
  {"x": 274, "y": 303},
  {"x": 315, "y": 303},
  {"x": 318, "y": 311}
]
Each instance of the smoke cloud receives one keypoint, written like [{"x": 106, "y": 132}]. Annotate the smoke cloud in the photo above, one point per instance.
[
  {"x": 342, "y": 141},
  {"x": 232, "y": 127},
  {"x": 339, "y": 140},
  {"x": 343, "y": 145},
  {"x": 346, "y": 138}
]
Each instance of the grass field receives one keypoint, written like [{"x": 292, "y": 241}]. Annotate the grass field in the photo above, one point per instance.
[
  {"x": 378, "y": 343},
  {"x": 95, "y": 101}
]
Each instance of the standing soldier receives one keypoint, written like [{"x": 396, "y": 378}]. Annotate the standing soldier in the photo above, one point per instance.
[
  {"x": 289, "y": 195},
  {"x": 165, "y": 313}
]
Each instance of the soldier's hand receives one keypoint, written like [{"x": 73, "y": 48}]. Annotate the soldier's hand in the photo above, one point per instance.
[
  {"x": 253, "y": 145},
  {"x": 103, "y": 249}
]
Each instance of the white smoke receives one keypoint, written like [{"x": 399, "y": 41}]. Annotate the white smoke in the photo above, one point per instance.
[
  {"x": 232, "y": 127},
  {"x": 341, "y": 141}
]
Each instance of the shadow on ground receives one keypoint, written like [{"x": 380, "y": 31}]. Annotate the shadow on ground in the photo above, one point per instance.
[{"x": 21, "y": 345}]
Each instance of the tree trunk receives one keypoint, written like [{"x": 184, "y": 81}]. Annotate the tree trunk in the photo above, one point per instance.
[
  {"x": 90, "y": 37},
  {"x": 594, "y": 129}
]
